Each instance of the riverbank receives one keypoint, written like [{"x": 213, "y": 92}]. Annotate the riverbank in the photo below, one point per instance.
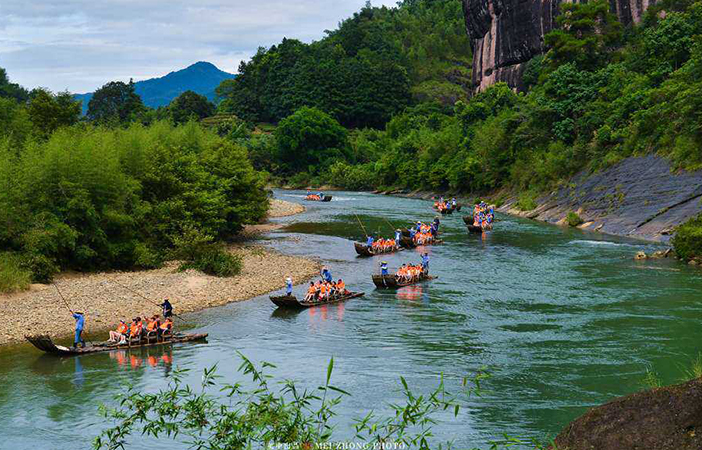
[
  {"x": 108, "y": 297},
  {"x": 639, "y": 197}
]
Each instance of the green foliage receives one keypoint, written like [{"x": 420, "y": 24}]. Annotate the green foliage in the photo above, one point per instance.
[
  {"x": 362, "y": 73},
  {"x": 573, "y": 219},
  {"x": 309, "y": 138},
  {"x": 49, "y": 112},
  {"x": 526, "y": 201},
  {"x": 200, "y": 251},
  {"x": 651, "y": 380},
  {"x": 9, "y": 90},
  {"x": 115, "y": 103},
  {"x": 13, "y": 277},
  {"x": 94, "y": 198},
  {"x": 190, "y": 106},
  {"x": 262, "y": 413},
  {"x": 585, "y": 35},
  {"x": 687, "y": 240}
]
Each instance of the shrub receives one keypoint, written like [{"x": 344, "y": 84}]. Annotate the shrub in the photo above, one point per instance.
[
  {"x": 215, "y": 260},
  {"x": 573, "y": 219},
  {"x": 687, "y": 240},
  {"x": 526, "y": 201},
  {"x": 199, "y": 251},
  {"x": 13, "y": 277}
]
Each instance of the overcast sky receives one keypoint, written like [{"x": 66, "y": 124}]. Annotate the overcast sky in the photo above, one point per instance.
[{"x": 80, "y": 45}]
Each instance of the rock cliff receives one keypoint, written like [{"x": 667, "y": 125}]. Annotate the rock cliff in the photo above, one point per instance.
[
  {"x": 505, "y": 34},
  {"x": 668, "y": 418},
  {"x": 638, "y": 197}
]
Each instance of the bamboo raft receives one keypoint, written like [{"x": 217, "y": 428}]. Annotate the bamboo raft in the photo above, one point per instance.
[
  {"x": 473, "y": 228},
  {"x": 44, "y": 343},
  {"x": 290, "y": 301},
  {"x": 407, "y": 242},
  {"x": 364, "y": 250},
  {"x": 326, "y": 198},
  {"x": 391, "y": 281}
]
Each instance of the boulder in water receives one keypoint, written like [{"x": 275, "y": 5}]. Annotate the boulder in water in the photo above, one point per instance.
[
  {"x": 668, "y": 418},
  {"x": 640, "y": 255}
]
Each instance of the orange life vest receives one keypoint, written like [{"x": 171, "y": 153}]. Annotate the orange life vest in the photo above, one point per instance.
[
  {"x": 122, "y": 328},
  {"x": 166, "y": 325}
]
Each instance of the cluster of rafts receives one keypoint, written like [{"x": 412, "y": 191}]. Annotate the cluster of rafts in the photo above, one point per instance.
[{"x": 390, "y": 281}]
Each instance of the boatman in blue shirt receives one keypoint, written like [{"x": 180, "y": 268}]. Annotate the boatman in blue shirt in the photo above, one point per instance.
[
  {"x": 369, "y": 241},
  {"x": 288, "y": 285},
  {"x": 425, "y": 262},
  {"x": 398, "y": 237},
  {"x": 326, "y": 274},
  {"x": 80, "y": 323},
  {"x": 384, "y": 268}
]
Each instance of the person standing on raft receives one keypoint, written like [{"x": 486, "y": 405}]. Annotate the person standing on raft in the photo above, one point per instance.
[
  {"x": 288, "y": 286},
  {"x": 384, "y": 269},
  {"x": 326, "y": 275},
  {"x": 80, "y": 323},
  {"x": 167, "y": 308}
]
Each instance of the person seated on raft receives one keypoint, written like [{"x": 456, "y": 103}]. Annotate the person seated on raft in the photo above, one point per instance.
[
  {"x": 122, "y": 331},
  {"x": 136, "y": 328},
  {"x": 165, "y": 328},
  {"x": 341, "y": 287},
  {"x": 152, "y": 325},
  {"x": 311, "y": 292}
]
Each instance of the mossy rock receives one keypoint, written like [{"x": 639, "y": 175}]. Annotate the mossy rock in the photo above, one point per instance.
[{"x": 667, "y": 418}]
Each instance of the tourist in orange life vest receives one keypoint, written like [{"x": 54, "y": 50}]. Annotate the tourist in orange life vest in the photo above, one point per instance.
[
  {"x": 166, "y": 327},
  {"x": 122, "y": 330},
  {"x": 311, "y": 292},
  {"x": 136, "y": 328}
]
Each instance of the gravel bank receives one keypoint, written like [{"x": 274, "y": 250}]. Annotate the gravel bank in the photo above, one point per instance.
[{"x": 100, "y": 296}]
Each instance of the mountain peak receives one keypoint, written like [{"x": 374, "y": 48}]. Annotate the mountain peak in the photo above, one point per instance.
[{"x": 201, "y": 77}]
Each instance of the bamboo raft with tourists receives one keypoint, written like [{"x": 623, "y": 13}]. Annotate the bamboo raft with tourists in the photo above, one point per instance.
[
  {"x": 324, "y": 292},
  {"x": 482, "y": 220},
  {"x": 45, "y": 343},
  {"x": 446, "y": 207},
  {"x": 318, "y": 197},
  {"x": 365, "y": 250},
  {"x": 406, "y": 274},
  {"x": 290, "y": 301}
]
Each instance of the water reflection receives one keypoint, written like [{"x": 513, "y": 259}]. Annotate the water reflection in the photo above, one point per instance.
[
  {"x": 412, "y": 293},
  {"x": 152, "y": 357}
]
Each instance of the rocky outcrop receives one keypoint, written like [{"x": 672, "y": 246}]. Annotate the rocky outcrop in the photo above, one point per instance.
[
  {"x": 505, "y": 34},
  {"x": 667, "y": 418},
  {"x": 637, "y": 197}
]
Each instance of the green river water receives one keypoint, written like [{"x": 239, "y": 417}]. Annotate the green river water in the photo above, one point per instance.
[{"x": 562, "y": 319}]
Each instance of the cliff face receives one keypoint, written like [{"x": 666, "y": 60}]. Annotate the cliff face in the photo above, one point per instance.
[
  {"x": 505, "y": 34},
  {"x": 637, "y": 197}
]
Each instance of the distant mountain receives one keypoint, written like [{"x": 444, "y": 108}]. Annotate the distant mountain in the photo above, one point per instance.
[{"x": 202, "y": 77}]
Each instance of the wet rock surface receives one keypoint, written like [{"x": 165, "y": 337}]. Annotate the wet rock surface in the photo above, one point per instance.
[
  {"x": 505, "y": 34},
  {"x": 668, "y": 418},
  {"x": 638, "y": 197}
]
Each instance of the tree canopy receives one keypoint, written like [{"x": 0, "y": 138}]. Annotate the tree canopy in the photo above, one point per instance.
[
  {"x": 115, "y": 102},
  {"x": 190, "y": 105}
]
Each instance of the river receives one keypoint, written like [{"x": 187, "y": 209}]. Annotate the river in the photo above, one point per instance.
[{"x": 561, "y": 318}]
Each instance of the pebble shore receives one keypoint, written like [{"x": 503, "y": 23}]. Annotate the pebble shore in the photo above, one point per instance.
[{"x": 105, "y": 302}]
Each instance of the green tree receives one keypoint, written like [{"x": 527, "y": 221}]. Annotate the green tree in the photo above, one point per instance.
[
  {"x": 11, "y": 90},
  {"x": 49, "y": 111},
  {"x": 190, "y": 105},
  {"x": 115, "y": 103},
  {"x": 586, "y": 34},
  {"x": 309, "y": 138}
]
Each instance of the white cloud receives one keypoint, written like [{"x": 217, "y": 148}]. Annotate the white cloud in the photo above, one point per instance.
[{"x": 81, "y": 44}]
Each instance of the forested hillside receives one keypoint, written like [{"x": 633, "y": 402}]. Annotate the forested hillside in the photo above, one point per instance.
[
  {"x": 374, "y": 65},
  {"x": 129, "y": 188},
  {"x": 601, "y": 93}
]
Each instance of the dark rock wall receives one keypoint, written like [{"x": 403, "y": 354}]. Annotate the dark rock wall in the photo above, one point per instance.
[
  {"x": 668, "y": 418},
  {"x": 505, "y": 34},
  {"x": 638, "y": 197}
]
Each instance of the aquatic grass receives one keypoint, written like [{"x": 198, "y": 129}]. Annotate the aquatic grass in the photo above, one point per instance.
[
  {"x": 13, "y": 277},
  {"x": 694, "y": 370},
  {"x": 652, "y": 379}
]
